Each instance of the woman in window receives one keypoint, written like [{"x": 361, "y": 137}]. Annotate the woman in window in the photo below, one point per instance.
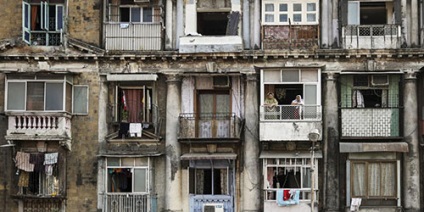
[
  {"x": 270, "y": 105},
  {"x": 298, "y": 109}
]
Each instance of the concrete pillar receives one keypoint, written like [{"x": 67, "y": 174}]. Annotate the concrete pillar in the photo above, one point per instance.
[
  {"x": 257, "y": 24},
  {"x": 411, "y": 165},
  {"x": 331, "y": 173},
  {"x": 168, "y": 25},
  {"x": 414, "y": 23},
  {"x": 405, "y": 24},
  {"x": 246, "y": 24},
  {"x": 102, "y": 125},
  {"x": 324, "y": 24},
  {"x": 251, "y": 177},
  {"x": 180, "y": 22},
  {"x": 173, "y": 167}
]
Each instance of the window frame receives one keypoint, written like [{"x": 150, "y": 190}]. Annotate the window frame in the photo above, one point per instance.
[
  {"x": 141, "y": 9},
  {"x": 134, "y": 167},
  {"x": 87, "y": 99},
  {"x": 305, "y": 165},
  {"x": 350, "y": 181},
  {"x": 44, "y": 20},
  {"x": 146, "y": 89},
  {"x": 290, "y": 12}
]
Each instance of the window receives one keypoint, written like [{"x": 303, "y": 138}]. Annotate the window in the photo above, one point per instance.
[
  {"x": 214, "y": 114},
  {"x": 128, "y": 175},
  {"x": 369, "y": 13},
  {"x": 292, "y": 173},
  {"x": 39, "y": 177},
  {"x": 374, "y": 181},
  {"x": 43, "y": 22},
  {"x": 45, "y": 93},
  {"x": 290, "y": 12},
  {"x": 134, "y": 104},
  {"x": 135, "y": 14},
  {"x": 210, "y": 177},
  {"x": 373, "y": 91}
]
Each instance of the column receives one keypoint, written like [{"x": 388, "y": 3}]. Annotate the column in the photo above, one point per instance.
[
  {"x": 173, "y": 151},
  {"x": 411, "y": 166},
  {"x": 330, "y": 146},
  {"x": 251, "y": 177},
  {"x": 169, "y": 25}
]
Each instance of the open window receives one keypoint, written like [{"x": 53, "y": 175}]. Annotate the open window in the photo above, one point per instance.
[
  {"x": 128, "y": 11},
  {"x": 211, "y": 177},
  {"x": 43, "y": 22},
  {"x": 134, "y": 104},
  {"x": 128, "y": 175},
  {"x": 370, "y": 91},
  {"x": 370, "y": 13}
]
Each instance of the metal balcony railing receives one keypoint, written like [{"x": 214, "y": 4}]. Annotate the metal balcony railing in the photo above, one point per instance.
[
  {"x": 370, "y": 122},
  {"x": 127, "y": 202},
  {"x": 209, "y": 125},
  {"x": 371, "y": 36},
  {"x": 42, "y": 204},
  {"x": 291, "y": 112}
]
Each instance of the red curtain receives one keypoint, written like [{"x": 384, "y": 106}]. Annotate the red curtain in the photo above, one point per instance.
[
  {"x": 134, "y": 99},
  {"x": 34, "y": 11}
]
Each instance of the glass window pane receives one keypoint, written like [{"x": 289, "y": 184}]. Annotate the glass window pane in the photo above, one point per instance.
[
  {"x": 147, "y": 14},
  {"x": 290, "y": 76},
  {"x": 269, "y": 18},
  {"x": 80, "y": 100},
  {"x": 222, "y": 103},
  {"x": 135, "y": 14},
  {"x": 272, "y": 76},
  {"x": 269, "y": 7},
  {"x": 54, "y": 96},
  {"x": 388, "y": 179},
  {"x": 124, "y": 14},
  {"x": 283, "y": 7},
  {"x": 306, "y": 178},
  {"x": 311, "y": 17},
  {"x": 59, "y": 17},
  {"x": 127, "y": 161},
  {"x": 297, "y": 7},
  {"x": 113, "y": 161},
  {"x": 310, "y": 95},
  {"x": 297, "y": 17},
  {"x": 359, "y": 180},
  {"x": 140, "y": 180},
  {"x": 68, "y": 94},
  {"x": 353, "y": 13},
  {"x": 283, "y": 18},
  {"x": 35, "y": 96},
  {"x": 311, "y": 6},
  {"x": 374, "y": 175},
  {"x": 142, "y": 161},
  {"x": 16, "y": 96},
  {"x": 309, "y": 76}
]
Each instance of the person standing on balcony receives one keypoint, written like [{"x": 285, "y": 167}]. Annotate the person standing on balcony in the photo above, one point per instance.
[
  {"x": 298, "y": 109},
  {"x": 270, "y": 105}
]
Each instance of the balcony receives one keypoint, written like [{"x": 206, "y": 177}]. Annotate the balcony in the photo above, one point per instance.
[
  {"x": 289, "y": 122},
  {"x": 301, "y": 37},
  {"x": 128, "y": 202},
  {"x": 208, "y": 126},
  {"x": 38, "y": 126},
  {"x": 370, "y": 122},
  {"x": 371, "y": 36},
  {"x": 197, "y": 202},
  {"x": 133, "y": 36}
]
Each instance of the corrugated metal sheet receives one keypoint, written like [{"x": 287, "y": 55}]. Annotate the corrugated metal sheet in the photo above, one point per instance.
[{"x": 133, "y": 37}]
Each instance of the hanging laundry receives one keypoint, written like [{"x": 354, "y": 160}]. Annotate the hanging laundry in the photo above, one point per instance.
[
  {"x": 287, "y": 197},
  {"x": 355, "y": 204},
  {"x": 23, "y": 179},
  {"x": 50, "y": 158},
  {"x": 38, "y": 160},
  {"x": 49, "y": 170},
  {"x": 22, "y": 162}
]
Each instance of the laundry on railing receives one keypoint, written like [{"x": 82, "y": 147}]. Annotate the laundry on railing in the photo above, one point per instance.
[
  {"x": 287, "y": 197},
  {"x": 355, "y": 204}
]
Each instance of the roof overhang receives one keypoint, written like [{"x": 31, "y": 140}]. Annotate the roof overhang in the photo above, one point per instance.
[
  {"x": 276, "y": 154},
  {"x": 350, "y": 147},
  {"x": 209, "y": 156},
  {"x": 349, "y": 72},
  {"x": 131, "y": 77}
]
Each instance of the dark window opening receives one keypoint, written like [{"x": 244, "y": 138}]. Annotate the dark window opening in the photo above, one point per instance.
[
  {"x": 368, "y": 98},
  {"x": 285, "y": 94},
  {"x": 212, "y": 23},
  {"x": 373, "y": 13},
  {"x": 288, "y": 179}
]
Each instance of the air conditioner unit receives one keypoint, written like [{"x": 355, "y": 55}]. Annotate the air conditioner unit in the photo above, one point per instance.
[
  {"x": 213, "y": 207},
  {"x": 379, "y": 80},
  {"x": 221, "y": 82},
  {"x": 142, "y": 1}
]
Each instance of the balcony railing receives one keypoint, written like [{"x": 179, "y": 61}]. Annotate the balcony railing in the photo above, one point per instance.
[
  {"x": 290, "y": 37},
  {"x": 304, "y": 196},
  {"x": 127, "y": 202},
  {"x": 209, "y": 125},
  {"x": 42, "y": 204},
  {"x": 291, "y": 112},
  {"x": 371, "y": 36},
  {"x": 39, "y": 124},
  {"x": 197, "y": 202},
  {"x": 133, "y": 36},
  {"x": 370, "y": 122}
]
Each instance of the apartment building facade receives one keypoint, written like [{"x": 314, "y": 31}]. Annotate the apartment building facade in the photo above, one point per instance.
[{"x": 161, "y": 105}]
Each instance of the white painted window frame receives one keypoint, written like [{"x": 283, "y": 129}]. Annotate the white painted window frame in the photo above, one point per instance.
[
  {"x": 290, "y": 12},
  {"x": 141, "y": 13}
]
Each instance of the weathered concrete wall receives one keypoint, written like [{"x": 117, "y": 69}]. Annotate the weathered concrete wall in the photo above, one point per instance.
[
  {"x": 84, "y": 20},
  {"x": 11, "y": 19},
  {"x": 82, "y": 160}
]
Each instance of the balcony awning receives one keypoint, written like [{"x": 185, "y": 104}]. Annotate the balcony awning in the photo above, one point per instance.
[
  {"x": 276, "y": 154},
  {"x": 346, "y": 147},
  {"x": 209, "y": 156},
  {"x": 371, "y": 72},
  {"x": 129, "y": 156},
  {"x": 131, "y": 77}
]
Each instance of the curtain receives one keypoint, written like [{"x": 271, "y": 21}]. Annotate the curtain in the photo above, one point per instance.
[
  {"x": 388, "y": 179},
  {"x": 34, "y": 11},
  {"x": 224, "y": 181},
  {"x": 134, "y": 100},
  {"x": 199, "y": 181},
  {"x": 358, "y": 188},
  {"x": 374, "y": 176}
]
